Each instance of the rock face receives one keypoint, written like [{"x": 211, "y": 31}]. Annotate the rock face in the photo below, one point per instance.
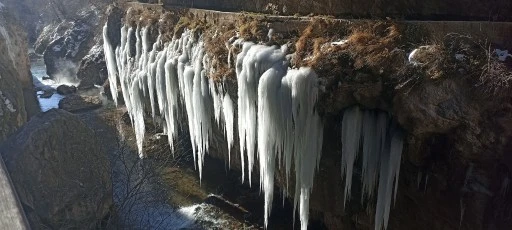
[
  {"x": 77, "y": 103},
  {"x": 93, "y": 69},
  {"x": 62, "y": 53},
  {"x": 18, "y": 101},
  {"x": 61, "y": 174},
  {"x": 50, "y": 33}
]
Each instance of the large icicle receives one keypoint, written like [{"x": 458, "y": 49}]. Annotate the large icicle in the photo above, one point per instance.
[
  {"x": 350, "y": 136},
  {"x": 138, "y": 115},
  {"x": 172, "y": 92},
  {"x": 269, "y": 129},
  {"x": 374, "y": 135},
  {"x": 308, "y": 135},
  {"x": 229, "y": 119},
  {"x": 382, "y": 148},
  {"x": 251, "y": 64},
  {"x": 110, "y": 60}
]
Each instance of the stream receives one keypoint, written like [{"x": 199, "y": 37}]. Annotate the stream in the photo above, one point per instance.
[{"x": 38, "y": 69}]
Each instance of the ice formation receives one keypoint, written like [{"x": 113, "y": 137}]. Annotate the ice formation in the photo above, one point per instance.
[
  {"x": 229, "y": 119},
  {"x": 276, "y": 115},
  {"x": 382, "y": 144},
  {"x": 111, "y": 62}
]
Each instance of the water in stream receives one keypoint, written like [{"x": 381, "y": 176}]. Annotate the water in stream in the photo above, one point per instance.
[{"x": 42, "y": 85}]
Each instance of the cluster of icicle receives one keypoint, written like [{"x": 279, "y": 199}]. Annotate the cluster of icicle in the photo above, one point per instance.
[
  {"x": 164, "y": 78},
  {"x": 276, "y": 105},
  {"x": 382, "y": 144}
]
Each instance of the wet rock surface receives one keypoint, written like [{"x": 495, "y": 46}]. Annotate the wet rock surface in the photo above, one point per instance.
[
  {"x": 61, "y": 173},
  {"x": 66, "y": 89},
  {"x": 79, "y": 103}
]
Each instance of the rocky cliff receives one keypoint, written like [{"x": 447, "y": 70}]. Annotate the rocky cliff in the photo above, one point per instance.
[
  {"x": 448, "y": 95},
  {"x": 17, "y": 97}
]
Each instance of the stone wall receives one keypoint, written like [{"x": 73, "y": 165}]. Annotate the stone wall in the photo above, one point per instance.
[{"x": 416, "y": 9}]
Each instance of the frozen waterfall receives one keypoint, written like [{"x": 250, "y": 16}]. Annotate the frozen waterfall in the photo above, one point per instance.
[{"x": 275, "y": 112}]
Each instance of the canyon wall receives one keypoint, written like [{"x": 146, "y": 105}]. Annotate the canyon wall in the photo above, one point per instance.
[{"x": 17, "y": 96}]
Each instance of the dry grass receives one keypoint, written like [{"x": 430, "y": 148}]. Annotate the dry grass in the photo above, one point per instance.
[
  {"x": 252, "y": 29},
  {"x": 215, "y": 40},
  {"x": 377, "y": 47},
  {"x": 496, "y": 76},
  {"x": 319, "y": 32}
]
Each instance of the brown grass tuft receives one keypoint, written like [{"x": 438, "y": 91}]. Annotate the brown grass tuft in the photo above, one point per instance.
[{"x": 376, "y": 46}]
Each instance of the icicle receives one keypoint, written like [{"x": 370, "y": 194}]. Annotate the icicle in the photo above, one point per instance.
[
  {"x": 138, "y": 45},
  {"x": 396, "y": 158},
  {"x": 217, "y": 100},
  {"x": 160, "y": 84},
  {"x": 138, "y": 115},
  {"x": 371, "y": 154},
  {"x": 110, "y": 60},
  {"x": 228, "y": 111},
  {"x": 381, "y": 158},
  {"x": 251, "y": 64},
  {"x": 172, "y": 92},
  {"x": 308, "y": 135},
  {"x": 269, "y": 128},
  {"x": 350, "y": 136},
  {"x": 389, "y": 174},
  {"x": 188, "y": 77},
  {"x": 202, "y": 110}
]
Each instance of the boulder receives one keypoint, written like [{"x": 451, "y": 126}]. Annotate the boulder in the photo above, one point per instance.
[
  {"x": 93, "y": 69},
  {"x": 77, "y": 103},
  {"x": 66, "y": 89},
  {"x": 60, "y": 171}
]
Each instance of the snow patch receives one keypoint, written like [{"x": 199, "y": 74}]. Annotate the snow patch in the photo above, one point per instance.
[{"x": 339, "y": 43}]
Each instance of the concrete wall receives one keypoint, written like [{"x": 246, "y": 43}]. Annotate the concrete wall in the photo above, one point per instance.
[{"x": 493, "y": 10}]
